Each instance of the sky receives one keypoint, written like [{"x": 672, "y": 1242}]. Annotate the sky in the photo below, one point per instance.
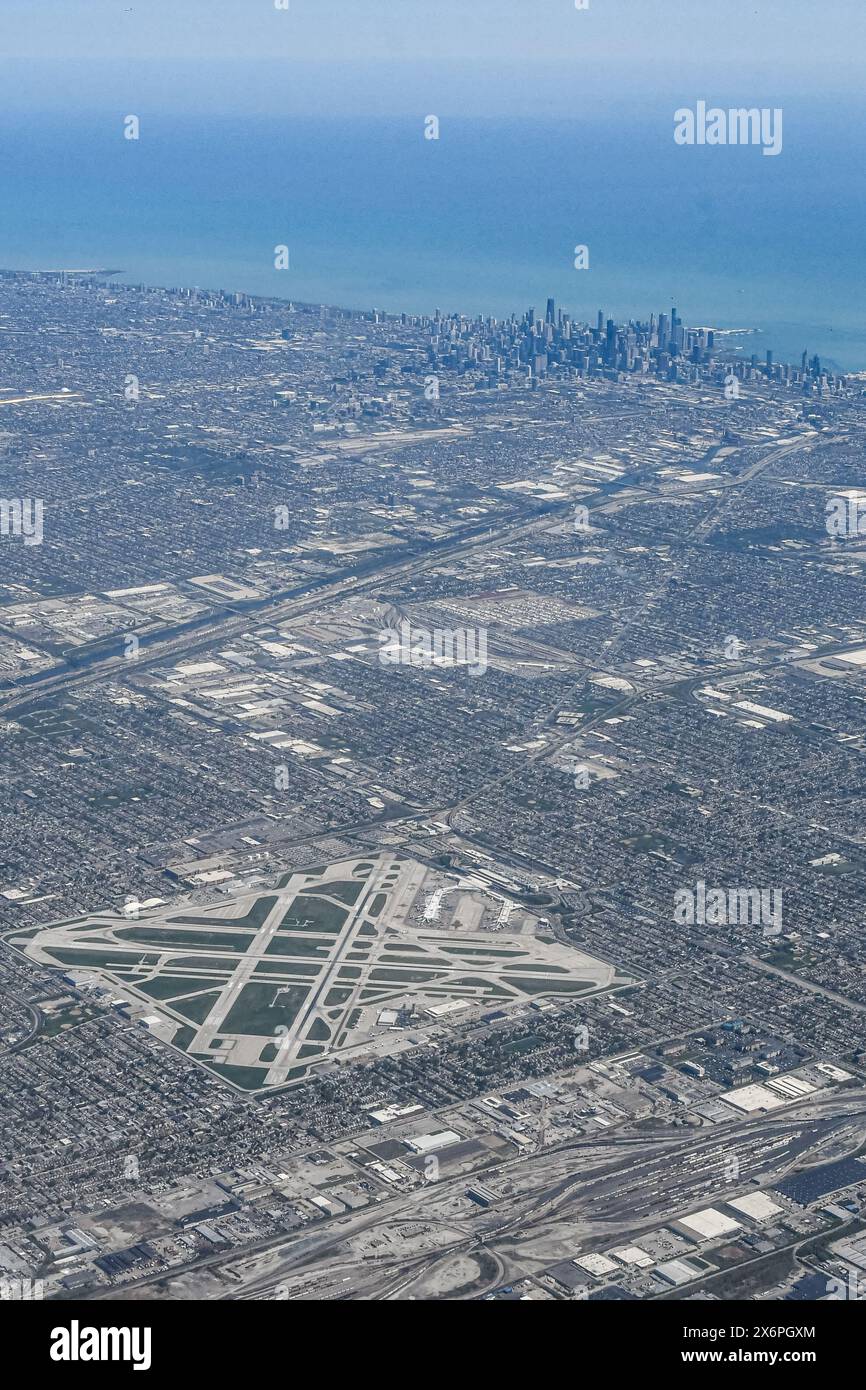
[{"x": 383, "y": 57}]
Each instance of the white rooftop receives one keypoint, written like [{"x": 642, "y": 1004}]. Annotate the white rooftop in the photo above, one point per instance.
[
  {"x": 595, "y": 1264},
  {"x": 756, "y": 1205},
  {"x": 709, "y": 1224}
]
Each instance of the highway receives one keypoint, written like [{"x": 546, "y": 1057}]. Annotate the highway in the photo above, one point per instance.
[{"x": 295, "y": 603}]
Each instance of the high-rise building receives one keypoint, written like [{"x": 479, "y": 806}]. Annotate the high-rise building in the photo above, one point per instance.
[{"x": 678, "y": 333}]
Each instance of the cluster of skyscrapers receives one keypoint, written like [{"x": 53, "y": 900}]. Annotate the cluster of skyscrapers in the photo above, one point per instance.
[{"x": 534, "y": 348}]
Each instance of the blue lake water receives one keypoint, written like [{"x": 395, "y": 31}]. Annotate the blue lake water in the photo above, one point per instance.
[{"x": 483, "y": 220}]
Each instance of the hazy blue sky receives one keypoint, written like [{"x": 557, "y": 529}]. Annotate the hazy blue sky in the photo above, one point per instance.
[{"x": 386, "y": 56}]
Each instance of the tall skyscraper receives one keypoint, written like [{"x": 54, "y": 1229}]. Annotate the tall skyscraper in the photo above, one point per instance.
[
  {"x": 610, "y": 344},
  {"x": 678, "y": 332}
]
